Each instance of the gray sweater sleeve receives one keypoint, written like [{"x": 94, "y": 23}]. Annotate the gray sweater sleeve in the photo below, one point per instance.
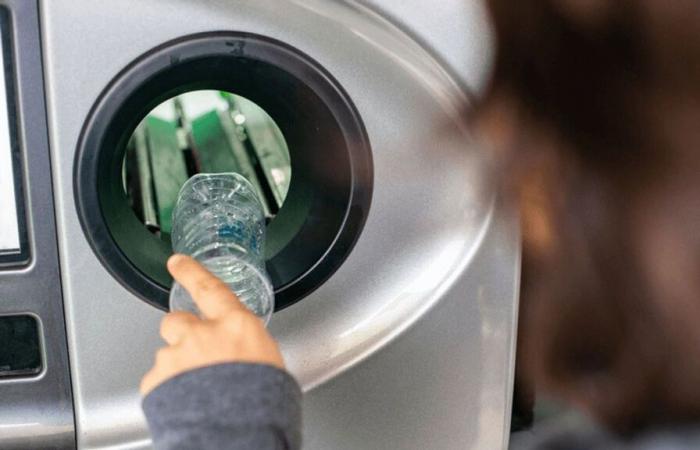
[{"x": 232, "y": 406}]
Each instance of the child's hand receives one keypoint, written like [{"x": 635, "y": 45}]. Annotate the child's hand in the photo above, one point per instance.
[{"x": 228, "y": 331}]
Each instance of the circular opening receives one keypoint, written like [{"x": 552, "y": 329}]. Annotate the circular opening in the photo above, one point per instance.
[
  {"x": 202, "y": 132},
  {"x": 327, "y": 199}
]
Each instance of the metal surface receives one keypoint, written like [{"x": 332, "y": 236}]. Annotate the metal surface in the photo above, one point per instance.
[
  {"x": 36, "y": 412},
  {"x": 457, "y": 32},
  {"x": 410, "y": 343},
  {"x": 444, "y": 384}
]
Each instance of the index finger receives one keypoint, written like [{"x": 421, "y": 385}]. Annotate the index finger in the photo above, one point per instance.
[{"x": 211, "y": 295}]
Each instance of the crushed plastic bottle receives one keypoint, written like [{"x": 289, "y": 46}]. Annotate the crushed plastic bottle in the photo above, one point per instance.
[{"x": 219, "y": 220}]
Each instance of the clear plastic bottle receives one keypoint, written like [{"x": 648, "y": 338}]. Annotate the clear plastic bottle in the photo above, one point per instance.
[{"x": 219, "y": 221}]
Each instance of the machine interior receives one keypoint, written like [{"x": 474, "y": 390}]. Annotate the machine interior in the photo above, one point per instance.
[{"x": 203, "y": 131}]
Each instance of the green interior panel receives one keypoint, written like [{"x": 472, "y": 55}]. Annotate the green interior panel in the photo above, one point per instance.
[
  {"x": 167, "y": 166},
  {"x": 213, "y": 145}
]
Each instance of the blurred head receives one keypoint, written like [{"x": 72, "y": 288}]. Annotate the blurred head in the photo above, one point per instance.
[{"x": 594, "y": 110}]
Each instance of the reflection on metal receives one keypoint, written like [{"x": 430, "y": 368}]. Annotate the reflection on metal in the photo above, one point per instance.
[{"x": 180, "y": 139}]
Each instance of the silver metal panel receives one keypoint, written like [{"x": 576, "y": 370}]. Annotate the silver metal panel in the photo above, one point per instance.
[
  {"x": 35, "y": 412},
  {"x": 456, "y": 31},
  {"x": 422, "y": 264},
  {"x": 441, "y": 385}
]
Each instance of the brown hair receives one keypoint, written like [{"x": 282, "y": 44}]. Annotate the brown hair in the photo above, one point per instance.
[{"x": 601, "y": 103}]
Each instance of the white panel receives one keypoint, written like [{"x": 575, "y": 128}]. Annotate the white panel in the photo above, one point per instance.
[{"x": 9, "y": 230}]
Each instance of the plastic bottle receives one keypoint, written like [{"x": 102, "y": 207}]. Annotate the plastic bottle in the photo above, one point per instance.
[{"x": 219, "y": 221}]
